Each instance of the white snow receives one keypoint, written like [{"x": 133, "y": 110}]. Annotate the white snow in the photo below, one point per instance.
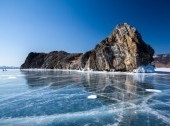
[
  {"x": 11, "y": 77},
  {"x": 145, "y": 69},
  {"x": 92, "y": 97},
  {"x": 163, "y": 69},
  {"x": 86, "y": 69},
  {"x": 142, "y": 69},
  {"x": 153, "y": 90}
]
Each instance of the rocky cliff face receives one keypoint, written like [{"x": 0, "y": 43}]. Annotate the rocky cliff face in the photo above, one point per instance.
[
  {"x": 122, "y": 50},
  {"x": 34, "y": 60}
]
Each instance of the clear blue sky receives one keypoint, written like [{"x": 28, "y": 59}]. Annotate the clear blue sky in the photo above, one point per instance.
[{"x": 76, "y": 25}]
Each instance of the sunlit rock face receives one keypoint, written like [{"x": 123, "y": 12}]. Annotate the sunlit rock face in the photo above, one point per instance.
[{"x": 122, "y": 50}]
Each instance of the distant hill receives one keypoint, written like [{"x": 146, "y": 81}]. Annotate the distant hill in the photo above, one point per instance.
[
  {"x": 8, "y": 67},
  {"x": 162, "y": 60}
]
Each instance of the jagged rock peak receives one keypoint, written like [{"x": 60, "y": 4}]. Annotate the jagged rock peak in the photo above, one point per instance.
[{"x": 125, "y": 30}]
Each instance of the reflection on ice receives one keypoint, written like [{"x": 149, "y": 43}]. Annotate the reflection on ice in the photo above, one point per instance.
[{"x": 64, "y": 98}]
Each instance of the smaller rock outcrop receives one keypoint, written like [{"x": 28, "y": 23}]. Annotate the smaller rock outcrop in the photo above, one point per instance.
[{"x": 52, "y": 60}]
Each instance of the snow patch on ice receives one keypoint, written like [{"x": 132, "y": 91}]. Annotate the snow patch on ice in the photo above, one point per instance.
[
  {"x": 153, "y": 90},
  {"x": 92, "y": 97}
]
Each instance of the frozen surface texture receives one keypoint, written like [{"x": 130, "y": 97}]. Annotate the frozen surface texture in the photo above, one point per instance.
[{"x": 60, "y": 98}]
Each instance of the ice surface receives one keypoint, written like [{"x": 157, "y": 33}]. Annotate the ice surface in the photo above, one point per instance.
[{"x": 55, "y": 97}]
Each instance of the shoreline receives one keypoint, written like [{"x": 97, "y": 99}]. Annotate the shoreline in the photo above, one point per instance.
[{"x": 157, "y": 71}]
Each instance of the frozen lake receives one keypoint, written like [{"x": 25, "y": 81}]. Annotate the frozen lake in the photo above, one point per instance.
[{"x": 70, "y": 98}]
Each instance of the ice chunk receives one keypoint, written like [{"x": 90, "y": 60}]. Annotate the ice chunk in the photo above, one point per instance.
[
  {"x": 92, "y": 97},
  {"x": 145, "y": 69},
  {"x": 153, "y": 90}
]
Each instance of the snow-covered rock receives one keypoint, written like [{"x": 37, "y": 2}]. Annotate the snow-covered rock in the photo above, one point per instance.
[{"x": 145, "y": 69}]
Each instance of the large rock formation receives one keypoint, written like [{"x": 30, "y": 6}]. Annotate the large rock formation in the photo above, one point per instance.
[{"x": 123, "y": 50}]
